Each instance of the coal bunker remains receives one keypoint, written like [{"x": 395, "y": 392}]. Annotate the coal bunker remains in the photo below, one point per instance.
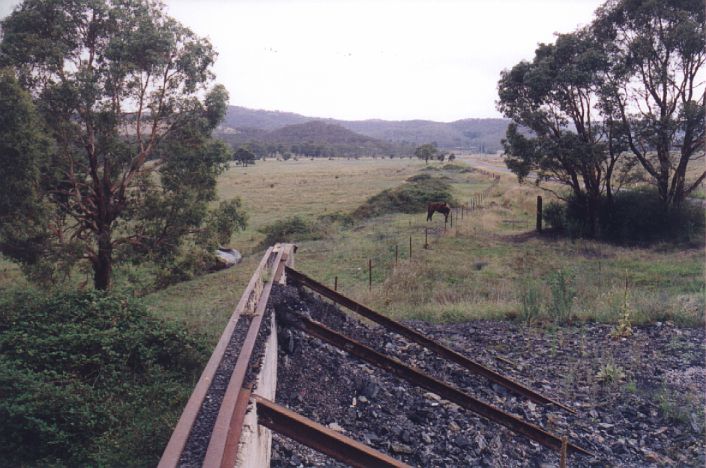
[
  {"x": 623, "y": 427},
  {"x": 196, "y": 445}
]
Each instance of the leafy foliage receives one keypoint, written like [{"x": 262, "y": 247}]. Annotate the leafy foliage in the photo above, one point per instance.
[
  {"x": 23, "y": 155},
  {"x": 83, "y": 376},
  {"x": 531, "y": 300},
  {"x": 561, "y": 284},
  {"x": 625, "y": 89},
  {"x": 555, "y": 132},
  {"x": 654, "y": 86},
  {"x": 632, "y": 217},
  {"x": 426, "y": 152},
  {"x": 243, "y": 157},
  {"x": 554, "y": 214},
  {"x": 125, "y": 93}
]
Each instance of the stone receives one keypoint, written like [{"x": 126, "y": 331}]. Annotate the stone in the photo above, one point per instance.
[
  {"x": 335, "y": 427},
  {"x": 462, "y": 442},
  {"x": 406, "y": 437},
  {"x": 401, "y": 448},
  {"x": 481, "y": 442}
]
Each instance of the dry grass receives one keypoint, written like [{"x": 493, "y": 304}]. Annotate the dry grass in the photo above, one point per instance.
[
  {"x": 273, "y": 190},
  {"x": 474, "y": 271}
]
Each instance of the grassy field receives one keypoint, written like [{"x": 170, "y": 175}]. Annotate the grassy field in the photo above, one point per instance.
[
  {"x": 487, "y": 266},
  {"x": 480, "y": 268}
]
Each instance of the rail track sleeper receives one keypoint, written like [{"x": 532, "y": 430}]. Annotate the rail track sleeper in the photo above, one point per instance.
[
  {"x": 413, "y": 335},
  {"x": 327, "y": 441}
]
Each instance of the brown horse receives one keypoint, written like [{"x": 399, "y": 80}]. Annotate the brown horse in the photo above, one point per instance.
[{"x": 441, "y": 207}]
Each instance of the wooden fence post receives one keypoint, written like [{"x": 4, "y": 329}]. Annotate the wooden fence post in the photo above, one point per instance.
[
  {"x": 539, "y": 214},
  {"x": 335, "y": 283},
  {"x": 410, "y": 247}
]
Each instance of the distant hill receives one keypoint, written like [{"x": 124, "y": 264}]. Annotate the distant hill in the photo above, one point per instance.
[
  {"x": 248, "y": 125},
  {"x": 314, "y": 138},
  {"x": 242, "y": 117}
]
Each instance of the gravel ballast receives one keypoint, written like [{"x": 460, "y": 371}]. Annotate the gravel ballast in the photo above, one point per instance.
[{"x": 639, "y": 400}]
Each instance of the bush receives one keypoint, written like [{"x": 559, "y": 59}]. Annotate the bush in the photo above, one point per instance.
[
  {"x": 410, "y": 197},
  {"x": 290, "y": 230},
  {"x": 531, "y": 300},
  {"x": 639, "y": 217},
  {"x": 554, "y": 215},
  {"x": 561, "y": 284},
  {"x": 636, "y": 217},
  {"x": 419, "y": 178},
  {"x": 89, "y": 378}
]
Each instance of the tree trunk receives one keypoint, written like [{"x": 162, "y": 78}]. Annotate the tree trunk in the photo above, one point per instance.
[{"x": 103, "y": 265}]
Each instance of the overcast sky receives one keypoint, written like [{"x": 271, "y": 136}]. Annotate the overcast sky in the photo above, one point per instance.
[{"x": 387, "y": 59}]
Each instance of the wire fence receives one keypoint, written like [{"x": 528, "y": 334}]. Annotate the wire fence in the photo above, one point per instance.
[{"x": 407, "y": 248}]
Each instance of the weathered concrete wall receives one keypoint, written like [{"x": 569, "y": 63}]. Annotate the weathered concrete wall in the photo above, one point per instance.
[{"x": 256, "y": 441}]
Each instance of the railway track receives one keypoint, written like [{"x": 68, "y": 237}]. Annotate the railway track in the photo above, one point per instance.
[{"x": 229, "y": 417}]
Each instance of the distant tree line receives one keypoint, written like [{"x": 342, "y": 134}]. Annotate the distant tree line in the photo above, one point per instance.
[
  {"x": 616, "y": 102},
  {"x": 317, "y": 150}
]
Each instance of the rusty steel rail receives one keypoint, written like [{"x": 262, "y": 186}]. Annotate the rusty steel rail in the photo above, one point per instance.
[
  {"x": 227, "y": 429},
  {"x": 320, "y": 438},
  {"x": 413, "y": 335},
  {"x": 442, "y": 389},
  {"x": 177, "y": 442}
]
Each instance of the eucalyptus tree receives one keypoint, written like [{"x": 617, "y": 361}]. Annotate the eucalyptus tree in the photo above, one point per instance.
[
  {"x": 244, "y": 157},
  {"x": 126, "y": 95},
  {"x": 655, "y": 85},
  {"x": 426, "y": 152},
  {"x": 556, "y": 131}
]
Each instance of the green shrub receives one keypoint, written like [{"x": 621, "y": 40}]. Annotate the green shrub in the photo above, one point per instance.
[
  {"x": 419, "y": 178},
  {"x": 636, "y": 217},
  {"x": 290, "y": 230},
  {"x": 563, "y": 293},
  {"x": 410, "y": 197},
  {"x": 89, "y": 378},
  {"x": 554, "y": 215},
  {"x": 453, "y": 167},
  {"x": 531, "y": 300}
]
